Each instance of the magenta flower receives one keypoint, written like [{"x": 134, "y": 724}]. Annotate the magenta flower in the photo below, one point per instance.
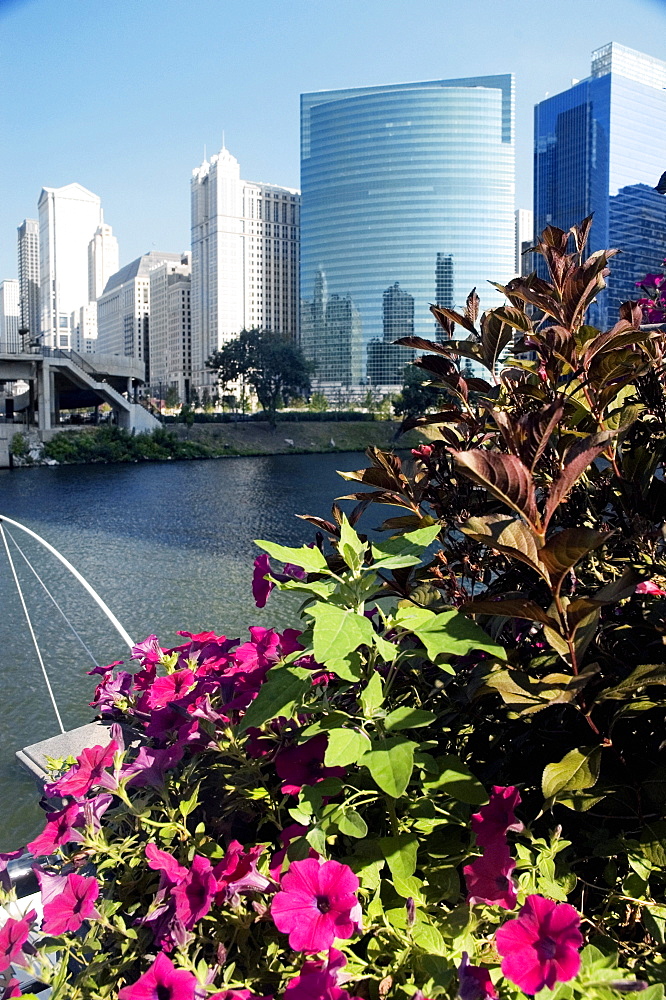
[
  {"x": 13, "y": 940},
  {"x": 475, "y": 982},
  {"x": 261, "y": 587},
  {"x": 173, "y": 687},
  {"x": 68, "y": 900},
  {"x": 237, "y": 873},
  {"x": 162, "y": 861},
  {"x": 103, "y": 671},
  {"x": 147, "y": 652},
  {"x": 319, "y": 980},
  {"x": 317, "y": 904},
  {"x": 88, "y": 771},
  {"x": 58, "y": 830},
  {"x": 488, "y": 878},
  {"x": 162, "y": 981},
  {"x": 5, "y": 881},
  {"x": 195, "y": 893},
  {"x": 12, "y": 989},
  {"x": 540, "y": 946},
  {"x": 150, "y": 766},
  {"x": 494, "y": 820},
  {"x": 237, "y": 995},
  {"x": 291, "y": 832},
  {"x": 303, "y": 764},
  {"x": 649, "y": 587}
]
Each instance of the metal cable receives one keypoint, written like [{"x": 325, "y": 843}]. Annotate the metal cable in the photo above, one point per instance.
[
  {"x": 38, "y": 577},
  {"x": 32, "y": 631}
]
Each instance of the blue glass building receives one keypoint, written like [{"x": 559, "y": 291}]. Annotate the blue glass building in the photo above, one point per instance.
[
  {"x": 594, "y": 142},
  {"x": 407, "y": 198}
]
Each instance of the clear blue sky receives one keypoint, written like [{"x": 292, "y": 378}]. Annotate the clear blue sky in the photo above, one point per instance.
[{"x": 122, "y": 95}]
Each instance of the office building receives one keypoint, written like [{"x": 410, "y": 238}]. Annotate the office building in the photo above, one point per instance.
[
  {"x": 123, "y": 309},
  {"x": 604, "y": 135},
  {"x": 409, "y": 185},
  {"x": 69, "y": 217},
  {"x": 9, "y": 315},
  {"x": 28, "y": 276},
  {"x": 636, "y": 224},
  {"x": 525, "y": 262},
  {"x": 103, "y": 260},
  {"x": 170, "y": 329},
  {"x": 245, "y": 256}
]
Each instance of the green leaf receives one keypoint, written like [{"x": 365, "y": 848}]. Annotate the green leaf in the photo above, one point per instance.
[
  {"x": 372, "y": 697},
  {"x": 410, "y": 886},
  {"x": 578, "y": 769},
  {"x": 641, "y": 677},
  {"x": 351, "y": 548},
  {"x": 338, "y": 631},
  {"x": 281, "y": 694},
  {"x": 408, "y": 718},
  {"x": 345, "y": 746},
  {"x": 317, "y": 839},
  {"x": 457, "y": 780},
  {"x": 390, "y": 764},
  {"x": 351, "y": 824},
  {"x": 429, "y": 939},
  {"x": 310, "y": 559},
  {"x": 453, "y": 634},
  {"x": 404, "y": 550},
  {"x": 653, "y": 843},
  {"x": 400, "y": 853},
  {"x": 347, "y": 668},
  {"x": 387, "y": 650}
]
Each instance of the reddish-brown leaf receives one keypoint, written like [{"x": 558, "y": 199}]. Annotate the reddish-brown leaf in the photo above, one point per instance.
[
  {"x": 453, "y": 317},
  {"x": 508, "y": 535},
  {"x": 578, "y": 458},
  {"x": 506, "y": 477},
  {"x": 566, "y": 548},
  {"x": 519, "y": 608}
]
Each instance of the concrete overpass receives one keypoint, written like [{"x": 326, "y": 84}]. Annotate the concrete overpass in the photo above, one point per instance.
[{"x": 60, "y": 380}]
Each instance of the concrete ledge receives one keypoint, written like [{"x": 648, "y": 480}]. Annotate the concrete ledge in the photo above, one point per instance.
[{"x": 69, "y": 744}]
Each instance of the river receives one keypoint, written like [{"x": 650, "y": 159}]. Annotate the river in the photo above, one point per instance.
[{"x": 167, "y": 545}]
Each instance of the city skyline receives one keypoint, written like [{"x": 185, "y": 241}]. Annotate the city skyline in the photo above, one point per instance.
[{"x": 73, "y": 132}]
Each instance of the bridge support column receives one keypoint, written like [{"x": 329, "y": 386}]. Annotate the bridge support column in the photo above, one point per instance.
[{"x": 44, "y": 380}]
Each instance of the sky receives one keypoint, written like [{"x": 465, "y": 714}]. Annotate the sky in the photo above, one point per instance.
[{"x": 123, "y": 96}]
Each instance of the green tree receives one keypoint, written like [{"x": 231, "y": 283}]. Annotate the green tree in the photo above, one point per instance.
[
  {"x": 270, "y": 363},
  {"x": 418, "y": 394},
  {"x": 171, "y": 397},
  {"x": 318, "y": 402}
]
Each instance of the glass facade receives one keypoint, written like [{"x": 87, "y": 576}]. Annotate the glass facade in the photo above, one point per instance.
[
  {"x": 604, "y": 134},
  {"x": 407, "y": 199}
]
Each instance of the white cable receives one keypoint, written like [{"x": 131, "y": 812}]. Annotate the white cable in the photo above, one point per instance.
[
  {"x": 84, "y": 583},
  {"x": 32, "y": 631},
  {"x": 38, "y": 577}
]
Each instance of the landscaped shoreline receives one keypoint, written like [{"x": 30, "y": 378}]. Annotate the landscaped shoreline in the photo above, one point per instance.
[{"x": 211, "y": 440}]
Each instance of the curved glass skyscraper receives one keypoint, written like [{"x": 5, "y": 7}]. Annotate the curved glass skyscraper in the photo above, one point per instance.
[{"x": 407, "y": 199}]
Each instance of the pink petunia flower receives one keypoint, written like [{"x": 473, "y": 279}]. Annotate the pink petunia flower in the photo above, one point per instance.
[
  {"x": 237, "y": 995},
  {"x": 173, "y": 687},
  {"x": 5, "y": 858},
  {"x": 475, "y": 982},
  {"x": 497, "y": 817},
  {"x": 303, "y": 764},
  {"x": 488, "y": 878},
  {"x": 317, "y": 904},
  {"x": 68, "y": 900},
  {"x": 162, "y": 981},
  {"x": 89, "y": 771},
  {"x": 13, "y": 940},
  {"x": 195, "y": 893},
  {"x": 150, "y": 766},
  {"x": 12, "y": 989},
  {"x": 261, "y": 587},
  {"x": 291, "y": 832},
  {"x": 64, "y": 826},
  {"x": 540, "y": 946},
  {"x": 319, "y": 980},
  {"x": 237, "y": 873},
  {"x": 162, "y": 861},
  {"x": 148, "y": 652},
  {"x": 648, "y": 587}
]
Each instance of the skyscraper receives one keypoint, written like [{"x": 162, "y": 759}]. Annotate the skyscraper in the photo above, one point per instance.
[
  {"x": 68, "y": 219},
  {"x": 170, "y": 329},
  {"x": 28, "y": 276},
  {"x": 410, "y": 184},
  {"x": 103, "y": 260},
  {"x": 524, "y": 240},
  {"x": 245, "y": 255},
  {"x": 9, "y": 315},
  {"x": 123, "y": 310},
  {"x": 386, "y": 359},
  {"x": 604, "y": 135}
]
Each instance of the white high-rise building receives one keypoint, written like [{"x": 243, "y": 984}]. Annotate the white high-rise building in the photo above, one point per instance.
[
  {"x": 103, "y": 260},
  {"x": 9, "y": 315},
  {"x": 69, "y": 217},
  {"x": 28, "y": 276},
  {"x": 123, "y": 310},
  {"x": 524, "y": 240},
  {"x": 170, "y": 329},
  {"x": 245, "y": 257}
]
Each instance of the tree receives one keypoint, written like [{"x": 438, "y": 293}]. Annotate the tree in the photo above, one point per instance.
[
  {"x": 274, "y": 367},
  {"x": 171, "y": 397},
  {"x": 418, "y": 394}
]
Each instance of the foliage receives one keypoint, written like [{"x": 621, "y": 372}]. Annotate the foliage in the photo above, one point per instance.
[
  {"x": 171, "y": 397},
  {"x": 418, "y": 394},
  {"x": 114, "y": 444},
  {"x": 318, "y": 402},
  {"x": 272, "y": 364},
  {"x": 450, "y": 780},
  {"x": 19, "y": 445}
]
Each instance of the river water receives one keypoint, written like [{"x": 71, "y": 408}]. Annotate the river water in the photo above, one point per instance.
[{"x": 167, "y": 545}]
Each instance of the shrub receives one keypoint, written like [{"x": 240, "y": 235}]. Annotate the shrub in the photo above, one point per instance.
[{"x": 450, "y": 779}]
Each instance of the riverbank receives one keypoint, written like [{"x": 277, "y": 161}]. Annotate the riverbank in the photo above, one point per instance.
[{"x": 83, "y": 446}]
